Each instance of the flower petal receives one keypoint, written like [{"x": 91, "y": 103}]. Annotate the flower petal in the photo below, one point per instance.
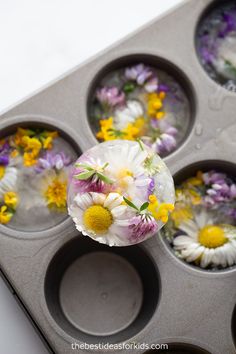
[{"x": 118, "y": 211}]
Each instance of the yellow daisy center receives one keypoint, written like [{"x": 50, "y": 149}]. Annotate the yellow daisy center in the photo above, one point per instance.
[
  {"x": 2, "y": 171},
  {"x": 56, "y": 193},
  {"x": 124, "y": 173},
  {"x": 97, "y": 219},
  {"x": 212, "y": 236}
]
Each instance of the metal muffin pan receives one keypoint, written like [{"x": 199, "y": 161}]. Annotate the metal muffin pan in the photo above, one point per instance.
[{"x": 159, "y": 299}]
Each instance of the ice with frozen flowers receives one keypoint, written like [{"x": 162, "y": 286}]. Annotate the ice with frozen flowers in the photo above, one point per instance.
[
  {"x": 217, "y": 44},
  {"x": 120, "y": 193},
  {"x": 34, "y": 165},
  {"x": 202, "y": 228},
  {"x": 141, "y": 102}
]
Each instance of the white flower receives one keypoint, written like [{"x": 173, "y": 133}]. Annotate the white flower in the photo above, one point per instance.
[
  {"x": 226, "y": 54},
  {"x": 8, "y": 179},
  {"x": 128, "y": 114},
  {"x": 126, "y": 167},
  {"x": 100, "y": 216},
  {"x": 212, "y": 245}
]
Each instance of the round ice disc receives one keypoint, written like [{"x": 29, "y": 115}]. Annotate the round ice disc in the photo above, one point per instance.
[{"x": 120, "y": 193}]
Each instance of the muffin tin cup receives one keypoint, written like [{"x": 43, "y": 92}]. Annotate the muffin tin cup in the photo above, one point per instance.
[
  {"x": 182, "y": 175},
  {"x": 120, "y": 285},
  {"x": 24, "y": 121},
  {"x": 175, "y": 303},
  {"x": 168, "y": 68}
]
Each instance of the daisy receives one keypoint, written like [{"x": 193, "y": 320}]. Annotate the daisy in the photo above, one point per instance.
[
  {"x": 210, "y": 244},
  {"x": 122, "y": 213},
  {"x": 100, "y": 216},
  {"x": 8, "y": 179},
  {"x": 126, "y": 167},
  {"x": 128, "y": 114},
  {"x": 54, "y": 188}
]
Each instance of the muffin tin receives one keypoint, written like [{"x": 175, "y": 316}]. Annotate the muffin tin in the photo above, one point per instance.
[{"x": 78, "y": 291}]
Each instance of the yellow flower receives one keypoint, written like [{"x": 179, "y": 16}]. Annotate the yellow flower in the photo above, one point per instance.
[
  {"x": 140, "y": 125},
  {"x": 5, "y": 216},
  {"x": 130, "y": 132},
  {"x": 106, "y": 130},
  {"x": 181, "y": 214},
  {"x": 31, "y": 143},
  {"x": 18, "y": 138},
  {"x": 14, "y": 153},
  {"x": 194, "y": 181},
  {"x": 47, "y": 143},
  {"x": 32, "y": 147},
  {"x": 47, "y": 138},
  {"x": 155, "y": 105},
  {"x": 2, "y": 171},
  {"x": 159, "y": 211},
  {"x": 53, "y": 134},
  {"x": 30, "y": 158},
  {"x": 55, "y": 193},
  {"x": 11, "y": 199},
  {"x": 195, "y": 197}
]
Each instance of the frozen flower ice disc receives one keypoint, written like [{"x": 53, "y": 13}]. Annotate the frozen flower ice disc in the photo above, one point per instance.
[
  {"x": 34, "y": 164},
  {"x": 120, "y": 193}
]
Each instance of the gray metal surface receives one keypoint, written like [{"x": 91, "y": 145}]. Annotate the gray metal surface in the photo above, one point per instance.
[{"x": 180, "y": 304}]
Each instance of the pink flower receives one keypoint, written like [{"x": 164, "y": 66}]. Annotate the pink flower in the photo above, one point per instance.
[
  {"x": 141, "y": 226},
  {"x": 110, "y": 97}
]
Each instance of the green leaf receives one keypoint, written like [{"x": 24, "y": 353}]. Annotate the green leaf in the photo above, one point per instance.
[
  {"x": 144, "y": 206},
  {"x": 130, "y": 203},
  {"x": 83, "y": 165},
  {"x": 104, "y": 178},
  {"x": 140, "y": 144},
  {"x": 84, "y": 175},
  {"x": 230, "y": 67},
  {"x": 105, "y": 165},
  {"x": 129, "y": 87}
]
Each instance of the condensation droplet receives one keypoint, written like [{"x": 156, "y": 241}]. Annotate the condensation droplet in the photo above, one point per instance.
[
  {"x": 218, "y": 130},
  {"x": 198, "y": 146},
  {"x": 104, "y": 295},
  {"x": 199, "y": 129}
]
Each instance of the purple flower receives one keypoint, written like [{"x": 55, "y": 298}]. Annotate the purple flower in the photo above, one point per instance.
[
  {"x": 232, "y": 213},
  {"x": 208, "y": 48},
  {"x": 110, "y": 97},
  {"x": 142, "y": 226},
  {"x": 151, "y": 186},
  {"x": 229, "y": 24},
  {"x": 143, "y": 75},
  {"x": 4, "y": 153},
  {"x": 53, "y": 160},
  {"x": 220, "y": 188},
  {"x": 166, "y": 139},
  {"x": 163, "y": 88},
  {"x": 4, "y": 160},
  {"x": 151, "y": 85}
]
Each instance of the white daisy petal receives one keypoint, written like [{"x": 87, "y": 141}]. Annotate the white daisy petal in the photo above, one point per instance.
[
  {"x": 190, "y": 228},
  {"x": 206, "y": 257},
  {"x": 98, "y": 198},
  {"x": 197, "y": 252},
  {"x": 189, "y": 250},
  {"x": 118, "y": 211},
  {"x": 111, "y": 198},
  {"x": 83, "y": 200},
  {"x": 229, "y": 254},
  {"x": 182, "y": 241}
]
